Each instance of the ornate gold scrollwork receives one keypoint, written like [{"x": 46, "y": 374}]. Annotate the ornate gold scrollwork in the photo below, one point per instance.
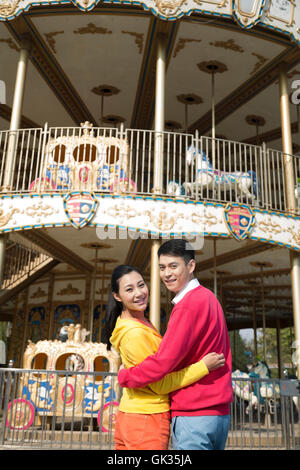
[
  {"x": 8, "y": 7},
  {"x": 5, "y": 217},
  {"x": 169, "y": 7},
  {"x": 218, "y": 3}
]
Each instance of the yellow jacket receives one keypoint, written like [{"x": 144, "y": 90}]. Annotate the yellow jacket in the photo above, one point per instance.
[{"x": 136, "y": 341}]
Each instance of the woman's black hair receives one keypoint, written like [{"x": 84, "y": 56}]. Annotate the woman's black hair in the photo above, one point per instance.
[{"x": 114, "y": 308}]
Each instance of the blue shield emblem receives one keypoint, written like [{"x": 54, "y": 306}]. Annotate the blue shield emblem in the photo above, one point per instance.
[
  {"x": 80, "y": 208},
  {"x": 239, "y": 219}
]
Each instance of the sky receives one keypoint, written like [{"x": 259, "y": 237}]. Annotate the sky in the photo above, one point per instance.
[{"x": 247, "y": 334}]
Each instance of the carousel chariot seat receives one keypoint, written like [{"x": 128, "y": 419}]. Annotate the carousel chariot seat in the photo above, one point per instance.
[{"x": 85, "y": 162}]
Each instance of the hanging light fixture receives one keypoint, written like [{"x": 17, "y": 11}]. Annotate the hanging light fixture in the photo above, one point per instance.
[
  {"x": 104, "y": 90},
  {"x": 257, "y": 121},
  {"x": 113, "y": 119},
  {"x": 172, "y": 126},
  {"x": 187, "y": 100}
]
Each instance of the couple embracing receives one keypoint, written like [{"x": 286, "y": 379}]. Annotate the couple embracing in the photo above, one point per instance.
[{"x": 183, "y": 378}]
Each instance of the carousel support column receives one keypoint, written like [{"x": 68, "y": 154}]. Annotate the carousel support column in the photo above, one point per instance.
[
  {"x": 26, "y": 317},
  {"x": 158, "y": 170},
  {"x": 215, "y": 268},
  {"x": 159, "y": 113},
  {"x": 263, "y": 314},
  {"x": 213, "y": 120},
  {"x": 13, "y": 135},
  {"x": 92, "y": 297},
  {"x": 254, "y": 325},
  {"x": 287, "y": 141},
  {"x": 291, "y": 201},
  {"x": 234, "y": 343},
  {"x": 50, "y": 307},
  {"x": 102, "y": 300},
  {"x": 295, "y": 278},
  {"x": 222, "y": 299},
  {"x": 16, "y": 114},
  {"x": 279, "y": 349},
  {"x": 155, "y": 286},
  {"x": 12, "y": 342},
  {"x": 2, "y": 257}
]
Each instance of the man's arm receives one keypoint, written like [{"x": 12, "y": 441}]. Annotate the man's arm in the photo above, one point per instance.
[
  {"x": 138, "y": 345},
  {"x": 176, "y": 344}
]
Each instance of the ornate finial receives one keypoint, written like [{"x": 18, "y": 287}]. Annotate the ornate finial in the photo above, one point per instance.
[{"x": 86, "y": 126}]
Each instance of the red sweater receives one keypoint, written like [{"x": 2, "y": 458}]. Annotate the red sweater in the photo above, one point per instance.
[{"x": 196, "y": 327}]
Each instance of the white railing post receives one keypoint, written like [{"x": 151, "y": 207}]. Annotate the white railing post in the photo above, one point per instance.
[
  {"x": 45, "y": 135},
  {"x": 266, "y": 175}
]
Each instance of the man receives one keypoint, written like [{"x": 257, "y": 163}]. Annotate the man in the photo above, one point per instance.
[{"x": 200, "y": 412}]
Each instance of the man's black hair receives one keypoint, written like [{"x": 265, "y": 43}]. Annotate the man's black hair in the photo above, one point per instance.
[{"x": 177, "y": 247}]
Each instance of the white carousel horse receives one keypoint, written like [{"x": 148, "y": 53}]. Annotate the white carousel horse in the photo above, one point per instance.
[
  {"x": 261, "y": 391},
  {"x": 175, "y": 189},
  {"x": 210, "y": 178},
  {"x": 242, "y": 387}
]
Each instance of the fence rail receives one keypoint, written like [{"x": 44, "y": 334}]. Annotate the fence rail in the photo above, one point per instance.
[
  {"x": 73, "y": 410},
  {"x": 57, "y": 409},
  {"x": 265, "y": 414},
  {"x": 144, "y": 162}
]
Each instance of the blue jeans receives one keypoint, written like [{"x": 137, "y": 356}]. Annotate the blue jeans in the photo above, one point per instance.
[{"x": 200, "y": 432}]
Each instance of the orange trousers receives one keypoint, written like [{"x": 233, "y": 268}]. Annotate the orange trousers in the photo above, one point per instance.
[{"x": 135, "y": 431}]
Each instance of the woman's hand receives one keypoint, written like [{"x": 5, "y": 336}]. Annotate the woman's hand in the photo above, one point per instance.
[{"x": 214, "y": 361}]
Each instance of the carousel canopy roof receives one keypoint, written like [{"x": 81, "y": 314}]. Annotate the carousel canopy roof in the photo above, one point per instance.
[
  {"x": 103, "y": 61},
  {"x": 109, "y": 53}
]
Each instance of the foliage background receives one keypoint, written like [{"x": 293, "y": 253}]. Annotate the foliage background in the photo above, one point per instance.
[{"x": 243, "y": 350}]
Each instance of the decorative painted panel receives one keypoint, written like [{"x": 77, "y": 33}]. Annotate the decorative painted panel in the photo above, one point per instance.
[
  {"x": 279, "y": 15},
  {"x": 36, "y": 319},
  {"x": 64, "y": 315},
  {"x": 150, "y": 217},
  {"x": 247, "y": 12}
]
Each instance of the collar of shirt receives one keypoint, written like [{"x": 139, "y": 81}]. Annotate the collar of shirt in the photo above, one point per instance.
[{"x": 192, "y": 284}]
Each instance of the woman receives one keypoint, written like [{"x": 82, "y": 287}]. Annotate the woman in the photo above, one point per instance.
[{"x": 143, "y": 421}]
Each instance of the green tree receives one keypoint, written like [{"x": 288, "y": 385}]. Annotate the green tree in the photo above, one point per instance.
[
  {"x": 240, "y": 351},
  {"x": 286, "y": 339}
]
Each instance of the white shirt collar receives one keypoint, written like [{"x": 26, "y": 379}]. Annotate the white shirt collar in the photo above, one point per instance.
[{"x": 192, "y": 284}]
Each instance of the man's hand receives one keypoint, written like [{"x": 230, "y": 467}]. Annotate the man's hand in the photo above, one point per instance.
[{"x": 214, "y": 361}]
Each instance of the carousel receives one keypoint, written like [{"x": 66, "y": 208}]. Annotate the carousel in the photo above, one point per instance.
[{"x": 123, "y": 124}]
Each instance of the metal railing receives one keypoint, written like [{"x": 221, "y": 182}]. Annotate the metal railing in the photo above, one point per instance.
[
  {"x": 20, "y": 262},
  {"x": 125, "y": 161},
  {"x": 57, "y": 409},
  {"x": 265, "y": 414},
  {"x": 73, "y": 410}
]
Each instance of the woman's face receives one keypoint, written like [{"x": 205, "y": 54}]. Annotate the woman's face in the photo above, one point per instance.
[{"x": 133, "y": 292}]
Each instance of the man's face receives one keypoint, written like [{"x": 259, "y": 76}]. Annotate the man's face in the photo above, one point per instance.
[{"x": 174, "y": 273}]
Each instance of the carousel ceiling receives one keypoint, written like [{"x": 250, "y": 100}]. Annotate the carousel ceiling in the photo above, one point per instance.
[
  {"x": 77, "y": 56},
  {"x": 236, "y": 269},
  {"x": 74, "y": 56}
]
